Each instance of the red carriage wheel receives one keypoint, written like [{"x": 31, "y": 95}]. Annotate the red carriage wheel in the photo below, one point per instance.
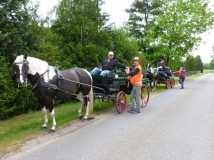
[
  {"x": 121, "y": 102},
  {"x": 144, "y": 96},
  {"x": 172, "y": 82},
  {"x": 168, "y": 84}
]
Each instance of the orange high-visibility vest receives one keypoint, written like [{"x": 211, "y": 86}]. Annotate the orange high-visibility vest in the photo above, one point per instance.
[{"x": 136, "y": 80}]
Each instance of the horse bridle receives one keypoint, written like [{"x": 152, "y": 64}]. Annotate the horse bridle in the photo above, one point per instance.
[
  {"x": 25, "y": 62},
  {"x": 148, "y": 67}
]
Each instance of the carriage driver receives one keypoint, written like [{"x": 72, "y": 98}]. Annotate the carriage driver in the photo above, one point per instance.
[
  {"x": 107, "y": 65},
  {"x": 135, "y": 78}
]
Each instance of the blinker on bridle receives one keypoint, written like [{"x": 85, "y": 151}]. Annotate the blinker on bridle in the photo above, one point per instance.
[{"x": 25, "y": 62}]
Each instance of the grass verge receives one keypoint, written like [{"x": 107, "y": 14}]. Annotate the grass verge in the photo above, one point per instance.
[{"x": 14, "y": 132}]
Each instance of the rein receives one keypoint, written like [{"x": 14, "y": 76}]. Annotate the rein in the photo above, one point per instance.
[
  {"x": 33, "y": 86},
  {"x": 49, "y": 85}
]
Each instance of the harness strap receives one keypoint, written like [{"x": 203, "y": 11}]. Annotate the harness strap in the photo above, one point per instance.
[{"x": 53, "y": 86}]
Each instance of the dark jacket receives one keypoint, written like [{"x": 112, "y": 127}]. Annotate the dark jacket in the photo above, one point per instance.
[
  {"x": 160, "y": 64},
  {"x": 133, "y": 72},
  {"x": 111, "y": 64}
]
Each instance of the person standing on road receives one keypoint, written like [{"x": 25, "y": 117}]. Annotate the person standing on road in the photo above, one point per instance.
[
  {"x": 181, "y": 74},
  {"x": 135, "y": 78}
]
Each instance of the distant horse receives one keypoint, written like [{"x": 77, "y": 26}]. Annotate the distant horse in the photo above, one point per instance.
[
  {"x": 151, "y": 75},
  {"x": 49, "y": 84}
]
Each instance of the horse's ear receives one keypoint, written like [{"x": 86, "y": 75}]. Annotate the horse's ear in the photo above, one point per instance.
[
  {"x": 14, "y": 56},
  {"x": 25, "y": 56}
]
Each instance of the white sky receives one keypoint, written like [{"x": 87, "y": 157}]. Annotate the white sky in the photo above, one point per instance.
[{"x": 116, "y": 8}]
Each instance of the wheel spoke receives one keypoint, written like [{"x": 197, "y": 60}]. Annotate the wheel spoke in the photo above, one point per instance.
[{"x": 144, "y": 96}]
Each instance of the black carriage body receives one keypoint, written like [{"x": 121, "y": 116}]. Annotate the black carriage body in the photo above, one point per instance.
[
  {"x": 164, "y": 75},
  {"x": 113, "y": 85}
]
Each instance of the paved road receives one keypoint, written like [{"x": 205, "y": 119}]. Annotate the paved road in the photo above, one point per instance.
[{"x": 176, "y": 125}]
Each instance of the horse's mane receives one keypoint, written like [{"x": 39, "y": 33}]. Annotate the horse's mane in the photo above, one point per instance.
[
  {"x": 30, "y": 59},
  {"x": 35, "y": 64},
  {"x": 36, "y": 60}
]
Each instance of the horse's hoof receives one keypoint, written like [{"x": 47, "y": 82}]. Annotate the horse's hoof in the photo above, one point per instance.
[
  {"x": 90, "y": 118},
  {"x": 43, "y": 128},
  {"x": 52, "y": 131},
  {"x": 80, "y": 117}
]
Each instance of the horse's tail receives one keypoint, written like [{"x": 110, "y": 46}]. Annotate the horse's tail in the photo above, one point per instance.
[
  {"x": 90, "y": 103},
  {"x": 89, "y": 100}
]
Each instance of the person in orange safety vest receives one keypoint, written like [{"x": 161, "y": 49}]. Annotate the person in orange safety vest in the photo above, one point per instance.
[{"x": 135, "y": 78}]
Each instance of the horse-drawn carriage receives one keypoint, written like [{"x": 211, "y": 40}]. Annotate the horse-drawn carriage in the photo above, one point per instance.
[
  {"x": 48, "y": 83},
  {"x": 116, "y": 86},
  {"x": 159, "y": 75},
  {"x": 164, "y": 75}
]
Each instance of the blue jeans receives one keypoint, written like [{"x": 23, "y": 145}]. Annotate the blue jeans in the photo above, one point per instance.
[
  {"x": 182, "y": 82},
  {"x": 97, "y": 71}
]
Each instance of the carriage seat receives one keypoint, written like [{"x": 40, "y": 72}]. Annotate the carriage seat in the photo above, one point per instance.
[
  {"x": 167, "y": 71},
  {"x": 111, "y": 74}
]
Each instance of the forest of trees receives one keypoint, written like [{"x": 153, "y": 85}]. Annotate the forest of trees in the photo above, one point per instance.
[{"x": 79, "y": 35}]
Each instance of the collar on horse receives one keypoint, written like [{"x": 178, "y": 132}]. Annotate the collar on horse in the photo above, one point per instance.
[{"x": 33, "y": 86}]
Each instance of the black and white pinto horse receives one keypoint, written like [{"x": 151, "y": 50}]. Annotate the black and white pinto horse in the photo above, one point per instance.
[
  {"x": 151, "y": 75},
  {"x": 49, "y": 84}
]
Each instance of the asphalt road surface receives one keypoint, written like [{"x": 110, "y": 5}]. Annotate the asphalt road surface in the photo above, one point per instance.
[{"x": 176, "y": 125}]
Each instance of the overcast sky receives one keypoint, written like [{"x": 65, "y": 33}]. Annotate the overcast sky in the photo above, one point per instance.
[{"x": 116, "y": 8}]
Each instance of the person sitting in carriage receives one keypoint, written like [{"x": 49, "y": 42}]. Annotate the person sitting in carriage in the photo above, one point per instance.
[
  {"x": 161, "y": 64},
  {"x": 108, "y": 64}
]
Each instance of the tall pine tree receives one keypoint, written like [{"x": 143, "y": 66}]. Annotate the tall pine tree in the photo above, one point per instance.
[{"x": 141, "y": 15}]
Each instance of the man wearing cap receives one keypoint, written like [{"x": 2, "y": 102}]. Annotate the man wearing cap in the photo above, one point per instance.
[
  {"x": 135, "y": 78},
  {"x": 107, "y": 65}
]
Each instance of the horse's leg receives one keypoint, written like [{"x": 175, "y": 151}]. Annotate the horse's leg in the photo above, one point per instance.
[
  {"x": 80, "y": 98},
  {"x": 153, "y": 83},
  {"x": 150, "y": 84},
  {"x": 90, "y": 106},
  {"x": 44, "y": 111},
  {"x": 52, "y": 113}
]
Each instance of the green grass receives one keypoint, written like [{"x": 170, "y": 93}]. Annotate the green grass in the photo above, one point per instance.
[
  {"x": 14, "y": 132},
  {"x": 200, "y": 74}
]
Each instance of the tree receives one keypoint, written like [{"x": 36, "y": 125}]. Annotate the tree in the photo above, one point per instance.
[
  {"x": 177, "y": 31},
  {"x": 80, "y": 26},
  {"x": 125, "y": 48},
  {"x": 15, "y": 37},
  {"x": 141, "y": 15},
  {"x": 190, "y": 63},
  {"x": 198, "y": 64}
]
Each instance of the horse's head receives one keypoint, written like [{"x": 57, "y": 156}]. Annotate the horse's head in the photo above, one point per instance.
[
  {"x": 21, "y": 66},
  {"x": 148, "y": 66}
]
